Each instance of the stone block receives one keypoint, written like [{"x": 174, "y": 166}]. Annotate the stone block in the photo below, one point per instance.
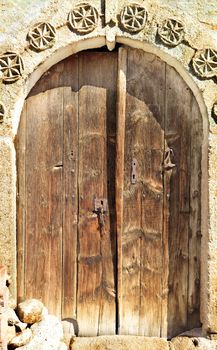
[
  {"x": 21, "y": 339},
  {"x": 120, "y": 342},
  {"x": 8, "y": 208},
  {"x": 30, "y": 311},
  {"x": 192, "y": 343}
]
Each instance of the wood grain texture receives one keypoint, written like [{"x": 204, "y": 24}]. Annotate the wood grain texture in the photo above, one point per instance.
[
  {"x": 43, "y": 263},
  {"x": 20, "y": 144},
  {"x": 70, "y": 187},
  {"x": 96, "y": 281},
  {"x": 62, "y": 74},
  {"x": 195, "y": 218},
  {"x": 70, "y": 203},
  {"x": 139, "y": 272},
  {"x": 143, "y": 201},
  {"x": 177, "y": 131},
  {"x": 119, "y": 174}
]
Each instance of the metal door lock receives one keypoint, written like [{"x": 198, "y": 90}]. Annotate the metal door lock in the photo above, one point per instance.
[
  {"x": 100, "y": 205},
  {"x": 133, "y": 171},
  {"x": 100, "y": 208}
]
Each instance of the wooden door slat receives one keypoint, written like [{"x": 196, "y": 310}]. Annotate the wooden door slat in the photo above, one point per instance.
[
  {"x": 43, "y": 263},
  {"x": 68, "y": 76},
  {"x": 195, "y": 218},
  {"x": 177, "y": 132},
  {"x": 70, "y": 199},
  {"x": 143, "y": 200},
  {"x": 21, "y": 204},
  {"x": 165, "y": 261},
  {"x": 96, "y": 279},
  {"x": 119, "y": 173}
]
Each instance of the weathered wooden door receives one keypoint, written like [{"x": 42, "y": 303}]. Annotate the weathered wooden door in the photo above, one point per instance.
[{"x": 109, "y": 195}]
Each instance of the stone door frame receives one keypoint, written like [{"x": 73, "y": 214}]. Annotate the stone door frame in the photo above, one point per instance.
[{"x": 67, "y": 41}]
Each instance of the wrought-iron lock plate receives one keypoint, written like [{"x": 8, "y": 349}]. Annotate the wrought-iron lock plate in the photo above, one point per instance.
[
  {"x": 100, "y": 205},
  {"x": 133, "y": 171}
]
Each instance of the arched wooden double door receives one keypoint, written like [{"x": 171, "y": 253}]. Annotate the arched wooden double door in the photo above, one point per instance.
[{"x": 108, "y": 158}]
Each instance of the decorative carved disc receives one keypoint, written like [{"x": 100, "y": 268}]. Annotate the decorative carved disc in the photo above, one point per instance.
[
  {"x": 214, "y": 111},
  {"x": 133, "y": 17},
  {"x": 171, "y": 32},
  {"x": 11, "y": 66},
  {"x": 205, "y": 63},
  {"x": 83, "y": 18},
  {"x": 42, "y": 36},
  {"x": 2, "y": 112}
]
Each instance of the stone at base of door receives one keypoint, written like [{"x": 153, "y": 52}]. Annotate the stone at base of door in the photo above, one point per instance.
[{"x": 129, "y": 342}]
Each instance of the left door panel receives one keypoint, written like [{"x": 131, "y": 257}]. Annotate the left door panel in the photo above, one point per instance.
[{"x": 65, "y": 158}]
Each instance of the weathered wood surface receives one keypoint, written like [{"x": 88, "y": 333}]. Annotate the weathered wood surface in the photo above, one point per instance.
[
  {"x": 70, "y": 189},
  {"x": 96, "y": 309},
  {"x": 43, "y": 243},
  {"x": 195, "y": 218},
  {"x": 21, "y": 204},
  {"x": 119, "y": 174},
  {"x": 177, "y": 132},
  {"x": 143, "y": 200},
  {"x": 69, "y": 162},
  {"x": 69, "y": 151}
]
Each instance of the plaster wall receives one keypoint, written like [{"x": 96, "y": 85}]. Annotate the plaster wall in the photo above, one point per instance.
[{"x": 200, "y": 22}]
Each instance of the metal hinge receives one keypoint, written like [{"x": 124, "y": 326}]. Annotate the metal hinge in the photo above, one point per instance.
[{"x": 169, "y": 159}]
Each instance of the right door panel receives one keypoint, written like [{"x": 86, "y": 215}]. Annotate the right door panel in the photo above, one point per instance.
[{"x": 158, "y": 290}]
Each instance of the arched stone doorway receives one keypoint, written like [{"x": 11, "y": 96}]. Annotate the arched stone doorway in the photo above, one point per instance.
[{"x": 142, "y": 278}]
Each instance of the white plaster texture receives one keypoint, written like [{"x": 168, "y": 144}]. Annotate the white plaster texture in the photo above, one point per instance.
[
  {"x": 8, "y": 207},
  {"x": 199, "y": 17}
]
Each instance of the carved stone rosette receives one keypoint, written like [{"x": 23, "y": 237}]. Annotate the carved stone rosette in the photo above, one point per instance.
[
  {"x": 171, "y": 32},
  {"x": 11, "y": 66},
  {"x": 133, "y": 18},
  {"x": 83, "y": 18},
  {"x": 2, "y": 112},
  {"x": 205, "y": 63},
  {"x": 214, "y": 111},
  {"x": 42, "y": 36}
]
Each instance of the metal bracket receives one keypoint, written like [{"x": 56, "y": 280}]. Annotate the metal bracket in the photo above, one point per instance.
[
  {"x": 168, "y": 159},
  {"x": 133, "y": 171},
  {"x": 100, "y": 205}
]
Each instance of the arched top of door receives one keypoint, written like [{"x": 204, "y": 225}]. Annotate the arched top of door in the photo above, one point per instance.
[
  {"x": 63, "y": 52},
  {"x": 175, "y": 36}
]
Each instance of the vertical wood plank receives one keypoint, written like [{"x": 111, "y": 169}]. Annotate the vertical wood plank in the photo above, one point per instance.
[
  {"x": 43, "y": 264},
  {"x": 96, "y": 284},
  {"x": 70, "y": 202},
  {"x": 108, "y": 239},
  {"x": 20, "y": 144},
  {"x": 177, "y": 132},
  {"x": 143, "y": 201},
  {"x": 119, "y": 173},
  {"x": 195, "y": 125},
  {"x": 166, "y": 217},
  {"x": 70, "y": 188}
]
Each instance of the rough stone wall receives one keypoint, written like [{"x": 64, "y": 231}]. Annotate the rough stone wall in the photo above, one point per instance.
[{"x": 199, "y": 21}]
